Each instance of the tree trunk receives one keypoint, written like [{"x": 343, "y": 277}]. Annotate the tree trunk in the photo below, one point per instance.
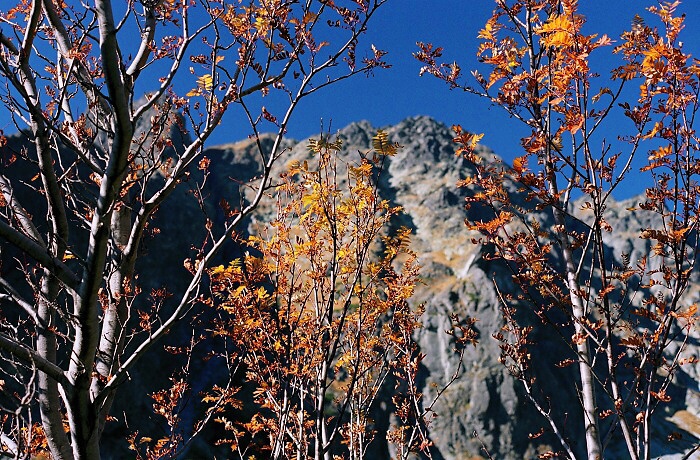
[
  {"x": 590, "y": 416},
  {"x": 115, "y": 316},
  {"x": 49, "y": 399}
]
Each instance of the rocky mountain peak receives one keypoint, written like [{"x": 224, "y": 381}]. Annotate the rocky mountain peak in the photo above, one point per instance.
[
  {"x": 358, "y": 133},
  {"x": 422, "y": 179}
]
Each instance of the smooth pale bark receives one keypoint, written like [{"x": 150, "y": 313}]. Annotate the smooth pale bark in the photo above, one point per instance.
[
  {"x": 19, "y": 213},
  {"x": 590, "y": 416},
  {"x": 49, "y": 398},
  {"x": 85, "y": 424},
  {"x": 32, "y": 357},
  {"x": 105, "y": 259},
  {"x": 40, "y": 254},
  {"x": 114, "y": 318}
]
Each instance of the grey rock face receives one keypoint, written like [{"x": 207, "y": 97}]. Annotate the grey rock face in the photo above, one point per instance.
[
  {"x": 485, "y": 400},
  {"x": 485, "y": 406}
]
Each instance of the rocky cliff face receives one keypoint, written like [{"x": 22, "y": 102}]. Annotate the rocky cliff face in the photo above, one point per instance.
[
  {"x": 485, "y": 400},
  {"x": 484, "y": 407}
]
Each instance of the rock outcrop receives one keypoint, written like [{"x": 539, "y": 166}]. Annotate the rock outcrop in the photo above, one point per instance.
[{"x": 485, "y": 407}]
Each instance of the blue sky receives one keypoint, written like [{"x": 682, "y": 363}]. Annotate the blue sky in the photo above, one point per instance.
[
  {"x": 399, "y": 92},
  {"x": 396, "y": 93}
]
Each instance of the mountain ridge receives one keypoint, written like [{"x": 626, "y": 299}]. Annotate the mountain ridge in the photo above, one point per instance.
[
  {"x": 421, "y": 178},
  {"x": 485, "y": 400}
]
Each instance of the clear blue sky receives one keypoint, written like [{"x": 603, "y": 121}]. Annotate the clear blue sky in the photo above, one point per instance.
[
  {"x": 394, "y": 94},
  {"x": 399, "y": 92}
]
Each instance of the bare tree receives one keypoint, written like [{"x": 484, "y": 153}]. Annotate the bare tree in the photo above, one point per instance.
[{"x": 102, "y": 118}]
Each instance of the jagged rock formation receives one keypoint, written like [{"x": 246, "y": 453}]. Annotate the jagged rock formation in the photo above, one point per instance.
[
  {"x": 485, "y": 400},
  {"x": 421, "y": 178}
]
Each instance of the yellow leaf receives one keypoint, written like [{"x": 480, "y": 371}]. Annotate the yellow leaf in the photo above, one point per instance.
[
  {"x": 520, "y": 164},
  {"x": 677, "y": 235},
  {"x": 307, "y": 200},
  {"x": 661, "y": 152},
  {"x": 162, "y": 442},
  {"x": 557, "y": 31},
  {"x": 657, "y": 127},
  {"x": 309, "y": 17},
  {"x": 238, "y": 292},
  {"x": 206, "y": 82},
  {"x": 487, "y": 32},
  {"x": 261, "y": 24},
  {"x": 381, "y": 144},
  {"x": 689, "y": 313},
  {"x": 558, "y": 40}
]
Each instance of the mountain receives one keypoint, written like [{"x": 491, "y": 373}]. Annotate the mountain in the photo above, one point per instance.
[{"x": 485, "y": 407}]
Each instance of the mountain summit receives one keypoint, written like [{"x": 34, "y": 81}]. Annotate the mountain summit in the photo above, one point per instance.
[
  {"x": 485, "y": 407},
  {"x": 485, "y": 404}
]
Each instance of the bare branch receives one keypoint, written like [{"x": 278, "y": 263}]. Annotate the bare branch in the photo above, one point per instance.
[
  {"x": 65, "y": 46},
  {"x": 144, "y": 51},
  {"x": 14, "y": 297},
  {"x": 31, "y": 357},
  {"x": 40, "y": 254},
  {"x": 20, "y": 213}
]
